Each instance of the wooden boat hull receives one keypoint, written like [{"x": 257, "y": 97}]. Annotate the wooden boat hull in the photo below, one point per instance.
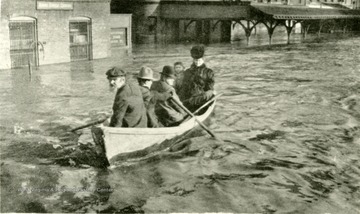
[{"x": 125, "y": 140}]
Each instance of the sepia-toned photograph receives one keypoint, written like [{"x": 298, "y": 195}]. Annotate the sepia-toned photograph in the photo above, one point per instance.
[{"x": 180, "y": 106}]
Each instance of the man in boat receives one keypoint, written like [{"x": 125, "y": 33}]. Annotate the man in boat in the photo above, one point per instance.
[
  {"x": 198, "y": 81},
  {"x": 168, "y": 112},
  {"x": 128, "y": 108},
  {"x": 179, "y": 72},
  {"x": 145, "y": 79}
]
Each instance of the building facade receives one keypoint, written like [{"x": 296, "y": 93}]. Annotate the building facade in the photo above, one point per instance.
[
  {"x": 173, "y": 21},
  {"x": 53, "y": 31},
  {"x": 356, "y": 4}
]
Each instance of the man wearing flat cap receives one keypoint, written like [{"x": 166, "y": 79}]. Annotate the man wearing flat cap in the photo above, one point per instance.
[
  {"x": 145, "y": 79},
  {"x": 198, "y": 81},
  {"x": 168, "y": 112},
  {"x": 128, "y": 109}
]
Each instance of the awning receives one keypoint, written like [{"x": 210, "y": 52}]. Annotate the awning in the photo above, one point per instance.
[
  {"x": 207, "y": 11},
  {"x": 303, "y": 12}
]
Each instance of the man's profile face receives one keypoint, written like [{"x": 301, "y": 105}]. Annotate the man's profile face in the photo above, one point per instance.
[
  {"x": 148, "y": 83},
  {"x": 170, "y": 81},
  {"x": 198, "y": 62},
  {"x": 116, "y": 82},
  {"x": 178, "y": 68}
]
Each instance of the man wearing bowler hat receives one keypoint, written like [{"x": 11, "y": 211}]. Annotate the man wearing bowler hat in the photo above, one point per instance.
[
  {"x": 169, "y": 113},
  {"x": 145, "y": 79},
  {"x": 198, "y": 81},
  {"x": 128, "y": 108}
]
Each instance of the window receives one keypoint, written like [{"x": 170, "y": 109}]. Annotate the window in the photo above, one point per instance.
[
  {"x": 80, "y": 39},
  {"x": 119, "y": 37}
]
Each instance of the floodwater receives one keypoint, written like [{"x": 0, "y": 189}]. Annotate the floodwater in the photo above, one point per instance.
[{"x": 288, "y": 129}]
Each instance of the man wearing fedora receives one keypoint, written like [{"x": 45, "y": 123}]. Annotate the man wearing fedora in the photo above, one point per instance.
[
  {"x": 128, "y": 108},
  {"x": 168, "y": 112},
  {"x": 198, "y": 82},
  {"x": 145, "y": 79}
]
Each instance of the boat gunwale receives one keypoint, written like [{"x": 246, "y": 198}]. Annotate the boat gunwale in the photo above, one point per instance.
[{"x": 160, "y": 131}]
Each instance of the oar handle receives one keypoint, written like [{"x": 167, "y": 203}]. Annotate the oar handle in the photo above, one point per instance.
[
  {"x": 192, "y": 115},
  {"x": 207, "y": 103},
  {"x": 89, "y": 124}
]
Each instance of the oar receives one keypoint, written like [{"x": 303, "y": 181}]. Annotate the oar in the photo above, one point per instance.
[
  {"x": 192, "y": 115},
  {"x": 89, "y": 124}
]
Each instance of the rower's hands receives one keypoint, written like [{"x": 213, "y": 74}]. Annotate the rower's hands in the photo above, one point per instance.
[
  {"x": 209, "y": 94},
  {"x": 171, "y": 94},
  {"x": 106, "y": 122}
]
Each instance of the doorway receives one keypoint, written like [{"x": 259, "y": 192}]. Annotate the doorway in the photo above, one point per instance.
[{"x": 23, "y": 42}]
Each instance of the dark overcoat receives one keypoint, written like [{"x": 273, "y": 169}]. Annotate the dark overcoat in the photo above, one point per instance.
[
  {"x": 128, "y": 108},
  {"x": 197, "y": 86},
  {"x": 150, "y": 99},
  {"x": 168, "y": 112}
]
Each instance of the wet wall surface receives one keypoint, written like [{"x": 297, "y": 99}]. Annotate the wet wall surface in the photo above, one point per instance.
[{"x": 288, "y": 129}]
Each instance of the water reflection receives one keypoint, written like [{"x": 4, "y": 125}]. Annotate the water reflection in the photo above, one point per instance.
[
  {"x": 26, "y": 93},
  {"x": 82, "y": 72},
  {"x": 24, "y": 89}
]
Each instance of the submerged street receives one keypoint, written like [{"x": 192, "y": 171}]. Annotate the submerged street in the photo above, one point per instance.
[{"x": 289, "y": 124}]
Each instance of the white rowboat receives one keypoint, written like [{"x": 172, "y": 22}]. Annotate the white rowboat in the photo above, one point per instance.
[{"x": 125, "y": 140}]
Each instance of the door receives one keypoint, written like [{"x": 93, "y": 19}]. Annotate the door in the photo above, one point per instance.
[
  {"x": 80, "y": 39},
  {"x": 23, "y": 43}
]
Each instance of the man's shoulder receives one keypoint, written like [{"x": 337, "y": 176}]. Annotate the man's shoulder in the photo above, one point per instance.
[
  {"x": 161, "y": 86},
  {"x": 145, "y": 91},
  {"x": 189, "y": 69},
  {"x": 129, "y": 89},
  {"x": 155, "y": 86},
  {"x": 204, "y": 70},
  {"x": 208, "y": 71},
  {"x": 205, "y": 67}
]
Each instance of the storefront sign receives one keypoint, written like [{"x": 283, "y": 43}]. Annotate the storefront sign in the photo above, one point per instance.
[{"x": 51, "y": 5}]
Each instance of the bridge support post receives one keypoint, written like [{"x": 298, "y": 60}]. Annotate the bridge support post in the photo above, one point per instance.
[
  {"x": 248, "y": 29},
  {"x": 202, "y": 30},
  {"x": 225, "y": 31},
  {"x": 160, "y": 26},
  {"x": 199, "y": 30},
  {"x": 175, "y": 26},
  {"x": 255, "y": 31},
  {"x": 305, "y": 25},
  {"x": 289, "y": 25},
  {"x": 345, "y": 25},
  {"x": 332, "y": 25},
  {"x": 206, "y": 31},
  {"x": 270, "y": 26},
  {"x": 321, "y": 25}
]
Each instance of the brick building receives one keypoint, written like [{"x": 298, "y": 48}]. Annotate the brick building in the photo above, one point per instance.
[{"x": 53, "y": 31}]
